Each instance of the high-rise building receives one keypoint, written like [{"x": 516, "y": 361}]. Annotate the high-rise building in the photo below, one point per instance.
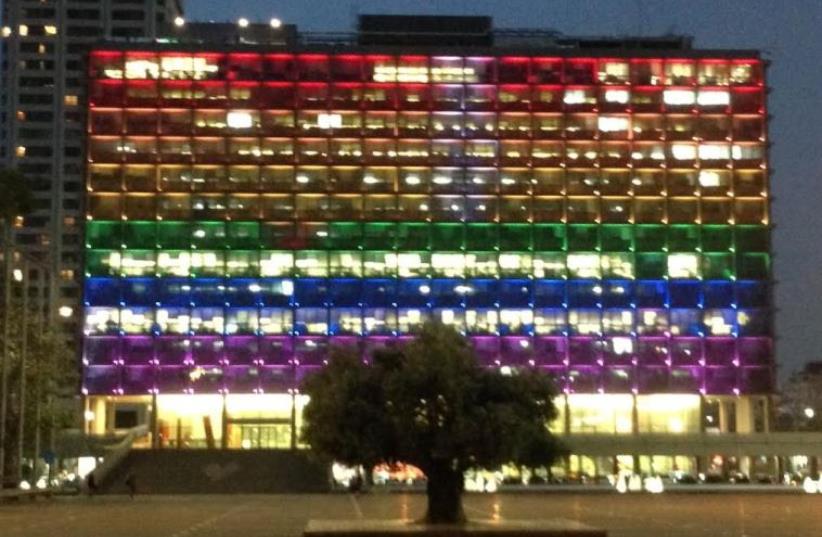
[
  {"x": 595, "y": 208},
  {"x": 42, "y": 117}
]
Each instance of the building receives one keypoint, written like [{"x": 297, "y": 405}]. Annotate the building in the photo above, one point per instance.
[
  {"x": 597, "y": 208},
  {"x": 42, "y": 119}
]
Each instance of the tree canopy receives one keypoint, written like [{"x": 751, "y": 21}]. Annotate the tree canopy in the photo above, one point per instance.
[{"x": 431, "y": 404}]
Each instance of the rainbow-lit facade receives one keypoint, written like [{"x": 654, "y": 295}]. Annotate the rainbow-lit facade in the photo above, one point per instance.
[{"x": 604, "y": 218}]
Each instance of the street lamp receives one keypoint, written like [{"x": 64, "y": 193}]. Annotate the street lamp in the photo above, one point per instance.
[
  {"x": 809, "y": 413},
  {"x": 275, "y": 23},
  {"x": 179, "y": 22},
  {"x": 65, "y": 311},
  {"x": 242, "y": 22}
]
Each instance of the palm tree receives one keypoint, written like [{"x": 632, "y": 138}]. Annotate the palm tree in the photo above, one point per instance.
[{"x": 15, "y": 200}]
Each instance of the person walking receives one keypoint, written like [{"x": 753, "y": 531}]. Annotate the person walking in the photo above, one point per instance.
[
  {"x": 91, "y": 483},
  {"x": 131, "y": 484}
]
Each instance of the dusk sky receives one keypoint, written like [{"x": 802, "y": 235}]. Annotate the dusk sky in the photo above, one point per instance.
[{"x": 788, "y": 34}]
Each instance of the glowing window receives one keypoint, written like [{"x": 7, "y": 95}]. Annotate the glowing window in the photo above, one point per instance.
[
  {"x": 683, "y": 151},
  {"x": 102, "y": 321},
  {"x": 709, "y": 178},
  {"x": 276, "y": 263},
  {"x": 600, "y": 413},
  {"x": 239, "y": 120},
  {"x": 617, "y": 96},
  {"x": 613, "y": 123},
  {"x": 683, "y": 265},
  {"x": 329, "y": 121},
  {"x": 448, "y": 264},
  {"x": 668, "y": 413},
  {"x": 575, "y": 96},
  {"x": 713, "y": 98},
  {"x": 719, "y": 322},
  {"x": 584, "y": 265},
  {"x": 677, "y": 97},
  {"x": 714, "y": 151},
  {"x": 174, "y": 263},
  {"x": 747, "y": 152}
]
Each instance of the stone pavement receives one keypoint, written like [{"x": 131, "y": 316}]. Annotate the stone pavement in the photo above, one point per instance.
[{"x": 668, "y": 515}]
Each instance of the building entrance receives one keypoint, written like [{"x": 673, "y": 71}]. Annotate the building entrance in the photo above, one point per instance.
[{"x": 264, "y": 434}]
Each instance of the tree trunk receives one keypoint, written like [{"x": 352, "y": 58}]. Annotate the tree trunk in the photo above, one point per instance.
[{"x": 444, "y": 490}]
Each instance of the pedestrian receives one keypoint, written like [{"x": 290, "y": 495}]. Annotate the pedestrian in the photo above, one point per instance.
[
  {"x": 355, "y": 485},
  {"x": 131, "y": 484},
  {"x": 91, "y": 483}
]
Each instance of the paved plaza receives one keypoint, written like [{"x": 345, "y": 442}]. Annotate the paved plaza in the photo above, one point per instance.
[{"x": 669, "y": 514}]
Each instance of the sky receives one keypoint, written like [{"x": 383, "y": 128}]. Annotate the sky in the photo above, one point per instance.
[{"x": 787, "y": 32}]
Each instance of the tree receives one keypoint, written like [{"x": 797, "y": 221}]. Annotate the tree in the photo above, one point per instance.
[
  {"x": 51, "y": 373},
  {"x": 430, "y": 404},
  {"x": 16, "y": 200}
]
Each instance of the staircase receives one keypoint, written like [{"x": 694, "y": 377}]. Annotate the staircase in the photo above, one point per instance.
[{"x": 205, "y": 471}]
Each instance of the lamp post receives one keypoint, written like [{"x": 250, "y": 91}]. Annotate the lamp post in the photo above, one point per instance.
[{"x": 24, "y": 347}]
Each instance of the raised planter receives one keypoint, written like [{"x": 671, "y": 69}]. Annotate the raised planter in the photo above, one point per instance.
[{"x": 483, "y": 528}]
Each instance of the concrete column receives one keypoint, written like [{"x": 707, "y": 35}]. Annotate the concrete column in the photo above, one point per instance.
[
  {"x": 744, "y": 415},
  {"x": 723, "y": 417},
  {"x": 635, "y": 431},
  {"x": 154, "y": 423},
  {"x": 293, "y": 421},
  {"x": 224, "y": 426}
]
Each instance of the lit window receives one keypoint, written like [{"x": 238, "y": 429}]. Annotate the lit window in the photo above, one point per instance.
[
  {"x": 747, "y": 152},
  {"x": 683, "y": 151},
  {"x": 575, "y": 96},
  {"x": 713, "y": 98},
  {"x": 622, "y": 345},
  {"x": 139, "y": 69},
  {"x": 613, "y": 72},
  {"x": 70, "y": 100},
  {"x": 584, "y": 265},
  {"x": 183, "y": 67},
  {"x": 708, "y": 178},
  {"x": 329, "y": 121},
  {"x": 679, "y": 97},
  {"x": 714, "y": 152},
  {"x": 50, "y": 29},
  {"x": 617, "y": 96},
  {"x": 20, "y": 151},
  {"x": 584, "y": 322},
  {"x": 6, "y": 31},
  {"x": 683, "y": 266},
  {"x": 719, "y": 322},
  {"x": 24, "y": 30},
  {"x": 239, "y": 120},
  {"x": 176, "y": 264},
  {"x": 612, "y": 124},
  {"x": 451, "y": 265}
]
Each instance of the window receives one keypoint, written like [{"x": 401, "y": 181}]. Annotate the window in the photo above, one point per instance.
[{"x": 683, "y": 266}]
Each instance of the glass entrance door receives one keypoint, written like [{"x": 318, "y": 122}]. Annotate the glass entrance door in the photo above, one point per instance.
[{"x": 264, "y": 436}]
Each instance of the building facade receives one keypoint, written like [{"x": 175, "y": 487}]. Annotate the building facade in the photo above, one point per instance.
[
  {"x": 42, "y": 121},
  {"x": 597, "y": 209}
]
